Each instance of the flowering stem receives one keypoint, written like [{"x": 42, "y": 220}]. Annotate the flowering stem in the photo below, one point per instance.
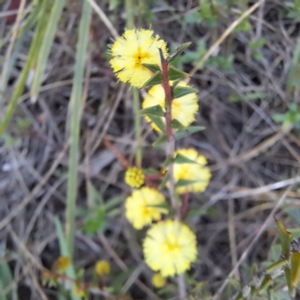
[{"x": 169, "y": 131}]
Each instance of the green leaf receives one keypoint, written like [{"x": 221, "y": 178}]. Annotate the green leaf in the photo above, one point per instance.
[
  {"x": 285, "y": 238},
  {"x": 181, "y": 91},
  {"x": 176, "y": 124},
  {"x": 94, "y": 197},
  {"x": 184, "y": 182},
  {"x": 295, "y": 268},
  {"x": 45, "y": 46},
  {"x": 181, "y": 159},
  {"x": 97, "y": 222},
  {"x": 151, "y": 67},
  {"x": 175, "y": 83},
  {"x": 175, "y": 73},
  {"x": 164, "y": 181},
  {"x": 158, "y": 121},
  {"x": 167, "y": 161},
  {"x": 154, "y": 80},
  {"x": 156, "y": 111},
  {"x": 180, "y": 133},
  {"x": 160, "y": 141},
  {"x": 179, "y": 50}
]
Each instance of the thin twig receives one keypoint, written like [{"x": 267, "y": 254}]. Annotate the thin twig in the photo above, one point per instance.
[
  {"x": 104, "y": 18},
  {"x": 11, "y": 45},
  {"x": 34, "y": 192}
]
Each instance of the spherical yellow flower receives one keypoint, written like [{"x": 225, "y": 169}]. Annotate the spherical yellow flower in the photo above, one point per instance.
[
  {"x": 142, "y": 207},
  {"x": 189, "y": 171},
  {"x": 134, "y": 48},
  {"x": 134, "y": 177},
  {"x": 62, "y": 263},
  {"x": 183, "y": 108},
  {"x": 102, "y": 267},
  {"x": 158, "y": 281},
  {"x": 170, "y": 247},
  {"x": 79, "y": 290}
]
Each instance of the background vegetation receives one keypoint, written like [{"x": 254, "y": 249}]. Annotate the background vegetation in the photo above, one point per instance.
[{"x": 63, "y": 113}]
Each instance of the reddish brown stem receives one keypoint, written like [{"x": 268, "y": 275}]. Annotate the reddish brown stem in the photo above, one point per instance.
[
  {"x": 125, "y": 163},
  {"x": 169, "y": 131},
  {"x": 185, "y": 204}
]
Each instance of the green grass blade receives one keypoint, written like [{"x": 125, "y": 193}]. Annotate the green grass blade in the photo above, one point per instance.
[
  {"x": 30, "y": 61},
  {"x": 45, "y": 47},
  {"x": 75, "y": 107}
]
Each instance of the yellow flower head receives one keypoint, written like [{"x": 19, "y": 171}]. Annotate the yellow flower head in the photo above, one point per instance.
[
  {"x": 62, "y": 263},
  {"x": 134, "y": 48},
  {"x": 189, "y": 171},
  {"x": 79, "y": 290},
  {"x": 158, "y": 281},
  {"x": 141, "y": 207},
  {"x": 183, "y": 108},
  {"x": 134, "y": 177},
  {"x": 170, "y": 247},
  {"x": 102, "y": 267}
]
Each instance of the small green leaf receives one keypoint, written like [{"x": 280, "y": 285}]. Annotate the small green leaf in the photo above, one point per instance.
[
  {"x": 180, "y": 159},
  {"x": 183, "y": 182},
  {"x": 175, "y": 73},
  {"x": 180, "y": 133},
  {"x": 156, "y": 111},
  {"x": 151, "y": 67},
  {"x": 295, "y": 268},
  {"x": 154, "y": 80},
  {"x": 285, "y": 238},
  {"x": 160, "y": 141},
  {"x": 181, "y": 91},
  {"x": 158, "y": 121},
  {"x": 179, "y": 50},
  {"x": 176, "y": 124},
  {"x": 175, "y": 83},
  {"x": 97, "y": 222},
  {"x": 167, "y": 161},
  {"x": 164, "y": 181}
]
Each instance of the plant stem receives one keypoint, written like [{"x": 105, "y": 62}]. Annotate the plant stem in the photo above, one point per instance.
[{"x": 170, "y": 148}]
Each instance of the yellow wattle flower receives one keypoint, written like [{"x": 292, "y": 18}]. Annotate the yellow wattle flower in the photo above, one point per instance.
[
  {"x": 62, "y": 263},
  {"x": 134, "y": 48},
  {"x": 184, "y": 108},
  {"x": 78, "y": 290},
  {"x": 142, "y": 207},
  {"x": 134, "y": 177},
  {"x": 102, "y": 267},
  {"x": 170, "y": 247},
  {"x": 189, "y": 171},
  {"x": 158, "y": 281}
]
